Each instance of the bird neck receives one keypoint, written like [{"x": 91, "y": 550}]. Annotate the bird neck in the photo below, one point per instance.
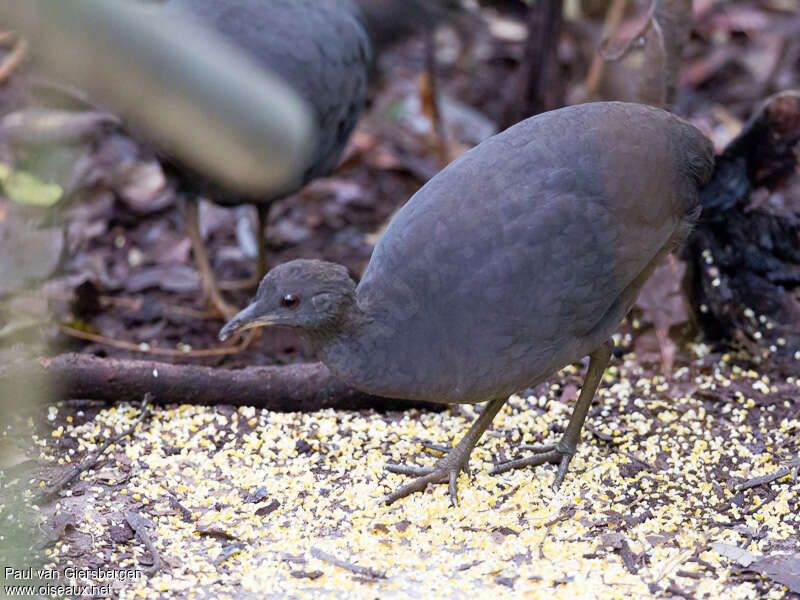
[
  {"x": 332, "y": 332},
  {"x": 346, "y": 345}
]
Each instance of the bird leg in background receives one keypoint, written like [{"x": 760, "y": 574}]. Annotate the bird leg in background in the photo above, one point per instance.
[
  {"x": 210, "y": 289},
  {"x": 446, "y": 470},
  {"x": 262, "y": 214},
  {"x": 262, "y": 208},
  {"x": 430, "y": 101},
  {"x": 14, "y": 58},
  {"x": 562, "y": 453}
]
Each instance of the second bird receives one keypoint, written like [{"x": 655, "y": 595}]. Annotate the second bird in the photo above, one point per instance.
[{"x": 318, "y": 47}]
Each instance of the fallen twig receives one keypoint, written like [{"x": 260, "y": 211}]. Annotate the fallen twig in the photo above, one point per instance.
[
  {"x": 770, "y": 497},
  {"x": 353, "y": 568},
  {"x": 88, "y": 464},
  {"x": 762, "y": 479},
  {"x": 613, "y": 441},
  {"x": 147, "y": 349},
  {"x": 788, "y": 441},
  {"x": 567, "y": 513},
  {"x": 675, "y": 563},
  {"x": 139, "y": 526},
  {"x": 186, "y": 514}
]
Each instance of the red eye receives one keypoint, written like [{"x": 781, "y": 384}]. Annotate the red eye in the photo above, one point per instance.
[{"x": 290, "y": 301}]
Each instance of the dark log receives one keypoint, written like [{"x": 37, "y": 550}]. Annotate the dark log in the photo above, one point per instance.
[
  {"x": 301, "y": 387},
  {"x": 744, "y": 256}
]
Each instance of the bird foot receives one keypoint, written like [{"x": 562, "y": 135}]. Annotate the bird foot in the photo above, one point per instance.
[
  {"x": 446, "y": 470},
  {"x": 557, "y": 454}
]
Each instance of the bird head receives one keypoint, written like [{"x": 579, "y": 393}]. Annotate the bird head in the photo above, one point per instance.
[{"x": 309, "y": 295}]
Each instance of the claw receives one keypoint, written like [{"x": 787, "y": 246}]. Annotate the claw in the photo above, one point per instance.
[
  {"x": 562, "y": 470},
  {"x": 448, "y": 467},
  {"x": 408, "y": 470},
  {"x": 538, "y": 448},
  {"x": 418, "y": 485},
  {"x": 442, "y": 472},
  {"x": 452, "y": 487},
  {"x": 541, "y": 455}
]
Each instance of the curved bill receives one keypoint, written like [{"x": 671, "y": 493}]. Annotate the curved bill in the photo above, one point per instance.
[{"x": 179, "y": 84}]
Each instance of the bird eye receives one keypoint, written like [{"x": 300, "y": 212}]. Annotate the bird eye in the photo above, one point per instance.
[{"x": 290, "y": 301}]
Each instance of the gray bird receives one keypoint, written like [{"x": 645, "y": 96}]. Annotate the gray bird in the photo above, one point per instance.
[
  {"x": 318, "y": 47},
  {"x": 520, "y": 257}
]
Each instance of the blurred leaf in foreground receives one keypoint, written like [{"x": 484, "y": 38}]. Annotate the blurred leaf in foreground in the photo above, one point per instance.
[{"x": 24, "y": 188}]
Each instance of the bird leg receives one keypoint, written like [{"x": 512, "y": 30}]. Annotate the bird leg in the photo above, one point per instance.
[
  {"x": 210, "y": 288},
  {"x": 261, "y": 227},
  {"x": 12, "y": 60},
  {"x": 430, "y": 101},
  {"x": 447, "y": 468},
  {"x": 562, "y": 452},
  {"x": 261, "y": 264}
]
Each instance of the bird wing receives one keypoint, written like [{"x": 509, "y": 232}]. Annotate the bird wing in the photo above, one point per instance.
[{"x": 519, "y": 248}]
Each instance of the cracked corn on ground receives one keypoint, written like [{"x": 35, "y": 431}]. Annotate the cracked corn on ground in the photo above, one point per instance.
[{"x": 653, "y": 485}]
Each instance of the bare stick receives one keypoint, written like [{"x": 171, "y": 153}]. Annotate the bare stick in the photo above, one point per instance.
[
  {"x": 663, "y": 54},
  {"x": 353, "y": 568},
  {"x": 566, "y": 513},
  {"x": 147, "y": 349},
  {"x": 769, "y": 477},
  {"x": 139, "y": 526},
  {"x": 86, "y": 465}
]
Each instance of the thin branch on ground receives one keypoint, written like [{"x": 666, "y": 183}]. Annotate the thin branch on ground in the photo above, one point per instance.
[
  {"x": 353, "y": 568},
  {"x": 147, "y": 349},
  {"x": 764, "y": 479},
  {"x": 88, "y": 464},
  {"x": 780, "y": 473},
  {"x": 139, "y": 526},
  {"x": 566, "y": 513},
  {"x": 137, "y": 303}
]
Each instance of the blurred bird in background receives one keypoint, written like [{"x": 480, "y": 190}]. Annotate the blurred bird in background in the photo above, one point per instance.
[
  {"x": 201, "y": 100},
  {"x": 323, "y": 51}
]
